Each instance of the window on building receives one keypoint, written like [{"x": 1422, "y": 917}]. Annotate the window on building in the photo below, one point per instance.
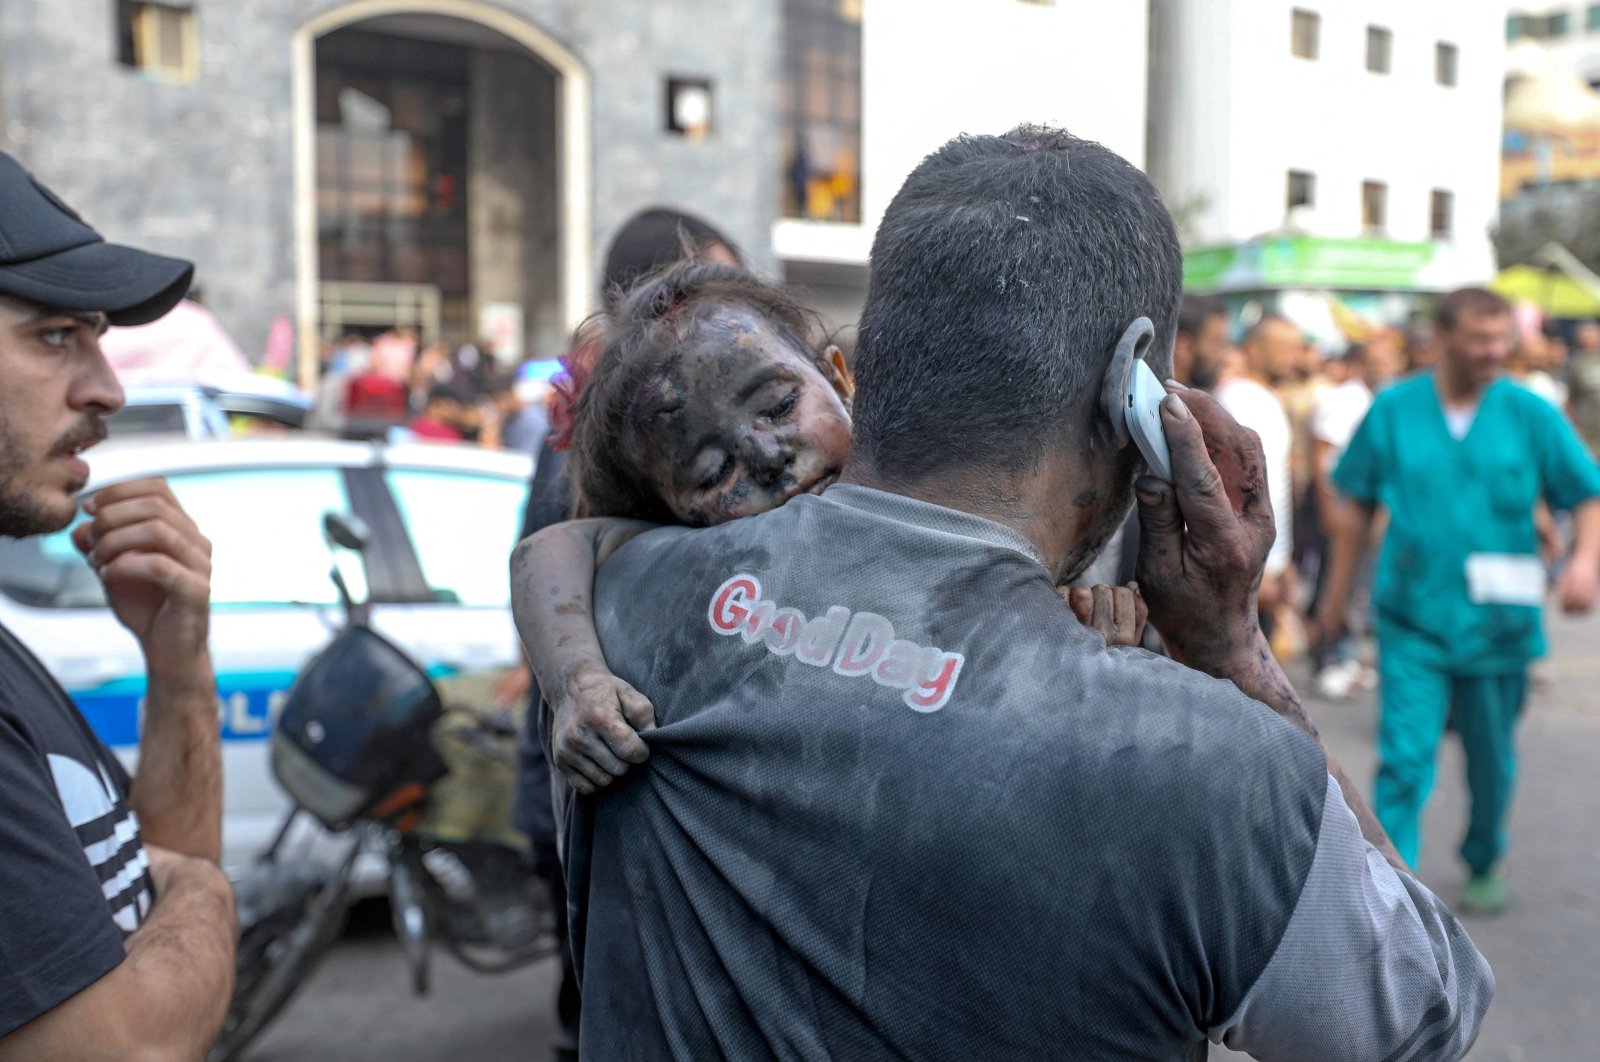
[
  {"x": 1441, "y": 213},
  {"x": 392, "y": 160},
  {"x": 1380, "y": 42},
  {"x": 1374, "y": 205},
  {"x": 158, "y": 39},
  {"x": 1591, "y": 17},
  {"x": 689, "y": 107},
  {"x": 1544, "y": 27},
  {"x": 1445, "y": 57},
  {"x": 1304, "y": 32},
  {"x": 1302, "y": 189},
  {"x": 822, "y": 110}
]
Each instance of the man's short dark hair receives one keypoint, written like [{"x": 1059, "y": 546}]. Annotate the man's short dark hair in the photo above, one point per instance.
[
  {"x": 1467, "y": 302},
  {"x": 1195, "y": 311},
  {"x": 650, "y": 241},
  {"x": 1257, "y": 329},
  {"x": 448, "y": 392},
  {"x": 1003, "y": 274}
]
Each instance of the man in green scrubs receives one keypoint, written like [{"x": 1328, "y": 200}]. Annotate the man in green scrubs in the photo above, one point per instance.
[{"x": 1460, "y": 457}]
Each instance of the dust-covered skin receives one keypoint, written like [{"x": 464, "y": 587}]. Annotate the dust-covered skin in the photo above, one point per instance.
[
  {"x": 595, "y": 718},
  {"x": 1098, "y": 510},
  {"x": 738, "y": 421},
  {"x": 1202, "y": 560},
  {"x": 1117, "y": 613}
]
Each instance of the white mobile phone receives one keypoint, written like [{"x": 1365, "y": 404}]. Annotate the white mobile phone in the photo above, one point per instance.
[{"x": 1142, "y": 409}]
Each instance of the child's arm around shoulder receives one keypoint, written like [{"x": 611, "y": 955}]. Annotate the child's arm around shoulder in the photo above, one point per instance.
[{"x": 595, "y": 715}]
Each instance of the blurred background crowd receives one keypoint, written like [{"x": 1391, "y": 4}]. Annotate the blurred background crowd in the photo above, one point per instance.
[{"x": 1307, "y": 404}]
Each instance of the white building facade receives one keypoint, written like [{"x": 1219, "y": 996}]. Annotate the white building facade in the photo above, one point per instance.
[
  {"x": 1349, "y": 146},
  {"x": 932, "y": 69},
  {"x": 1563, "y": 36}
]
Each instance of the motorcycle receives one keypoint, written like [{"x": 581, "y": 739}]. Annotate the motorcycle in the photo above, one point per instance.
[{"x": 366, "y": 746}]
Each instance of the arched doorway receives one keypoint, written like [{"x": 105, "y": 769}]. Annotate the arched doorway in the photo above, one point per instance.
[{"x": 441, "y": 163}]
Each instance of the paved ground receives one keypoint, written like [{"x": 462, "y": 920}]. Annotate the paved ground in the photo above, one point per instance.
[
  {"x": 359, "y": 1008},
  {"x": 1545, "y": 949}
]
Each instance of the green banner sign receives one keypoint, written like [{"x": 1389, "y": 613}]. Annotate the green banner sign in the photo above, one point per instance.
[{"x": 1307, "y": 262}]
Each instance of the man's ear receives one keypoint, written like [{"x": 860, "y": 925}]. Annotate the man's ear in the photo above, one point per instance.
[
  {"x": 1111, "y": 427},
  {"x": 837, "y": 372}
]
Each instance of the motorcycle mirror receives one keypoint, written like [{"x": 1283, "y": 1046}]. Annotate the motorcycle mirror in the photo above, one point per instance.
[{"x": 347, "y": 530}]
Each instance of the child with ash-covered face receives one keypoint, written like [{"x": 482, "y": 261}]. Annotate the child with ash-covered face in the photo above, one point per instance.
[
  {"x": 708, "y": 402},
  {"x": 713, "y": 398}
]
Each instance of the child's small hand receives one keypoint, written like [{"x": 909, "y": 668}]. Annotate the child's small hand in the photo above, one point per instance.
[
  {"x": 594, "y": 735},
  {"x": 1117, "y": 612}
]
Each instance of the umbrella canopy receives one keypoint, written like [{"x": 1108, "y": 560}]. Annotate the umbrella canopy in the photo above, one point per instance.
[{"x": 1553, "y": 291}]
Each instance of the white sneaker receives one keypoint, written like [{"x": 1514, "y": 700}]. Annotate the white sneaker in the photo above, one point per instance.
[{"x": 1335, "y": 681}]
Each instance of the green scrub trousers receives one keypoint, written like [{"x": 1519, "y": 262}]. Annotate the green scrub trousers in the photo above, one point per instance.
[{"x": 1418, "y": 700}]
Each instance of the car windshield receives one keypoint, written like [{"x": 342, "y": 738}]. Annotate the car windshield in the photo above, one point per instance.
[
  {"x": 142, "y": 419},
  {"x": 265, "y": 527},
  {"x": 458, "y": 521}
]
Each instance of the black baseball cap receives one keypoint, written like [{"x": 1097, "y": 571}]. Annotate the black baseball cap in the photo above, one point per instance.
[{"x": 50, "y": 256}]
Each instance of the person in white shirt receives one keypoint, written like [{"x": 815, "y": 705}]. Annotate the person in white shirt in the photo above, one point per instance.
[
  {"x": 1526, "y": 368},
  {"x": 1269, "y": 352},
  {"x": 1338, "y": 413}
]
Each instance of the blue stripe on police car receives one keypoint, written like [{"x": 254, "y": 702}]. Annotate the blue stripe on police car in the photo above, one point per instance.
[{"x": 248, "y": 704}]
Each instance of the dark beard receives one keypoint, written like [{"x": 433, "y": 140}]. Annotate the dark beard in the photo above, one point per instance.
[
  {"x": 18, "y": 519},
  {"x": 1204, "y": 377},
  {"x": 21, "y": 515}
]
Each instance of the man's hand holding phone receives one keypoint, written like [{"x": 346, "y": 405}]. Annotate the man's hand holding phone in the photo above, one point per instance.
[{"x": 1205, "y": 536}]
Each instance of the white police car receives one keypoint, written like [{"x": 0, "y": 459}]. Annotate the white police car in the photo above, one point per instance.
[{"x": 443, "y": 519}]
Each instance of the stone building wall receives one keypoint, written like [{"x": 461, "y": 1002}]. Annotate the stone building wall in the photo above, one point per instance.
[{"x": 205, "y": 169}]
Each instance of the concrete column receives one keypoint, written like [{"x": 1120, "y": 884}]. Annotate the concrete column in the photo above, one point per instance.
[{"x": 513, "y": 194}]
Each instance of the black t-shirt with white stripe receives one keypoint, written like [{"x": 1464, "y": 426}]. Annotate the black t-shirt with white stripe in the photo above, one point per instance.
[{"x": 74, "y": 877}]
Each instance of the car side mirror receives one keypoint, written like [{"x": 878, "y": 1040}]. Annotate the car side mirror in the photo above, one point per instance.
[{"x": 347, "y": 530}]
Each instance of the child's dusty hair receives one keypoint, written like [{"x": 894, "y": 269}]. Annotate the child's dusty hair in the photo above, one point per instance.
[{"x": 642, "y": 331}]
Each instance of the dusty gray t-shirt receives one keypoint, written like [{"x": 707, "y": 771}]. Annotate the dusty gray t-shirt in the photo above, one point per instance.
[{"x": 900, "y": 804}]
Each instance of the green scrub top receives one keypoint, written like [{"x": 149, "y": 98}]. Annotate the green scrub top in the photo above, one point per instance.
[{"x": 1449, "y": 500}]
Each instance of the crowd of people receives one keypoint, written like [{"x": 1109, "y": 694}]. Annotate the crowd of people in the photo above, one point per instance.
[
  {"x": 1307, "y": 403},
  {"x": 1475, "y": 520},
  {"x": 392, "y": 384},
  {"x": 846, "y": 737}
]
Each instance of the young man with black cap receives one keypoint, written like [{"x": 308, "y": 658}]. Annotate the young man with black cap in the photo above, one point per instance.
[{"x": 116, "y": 924}]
